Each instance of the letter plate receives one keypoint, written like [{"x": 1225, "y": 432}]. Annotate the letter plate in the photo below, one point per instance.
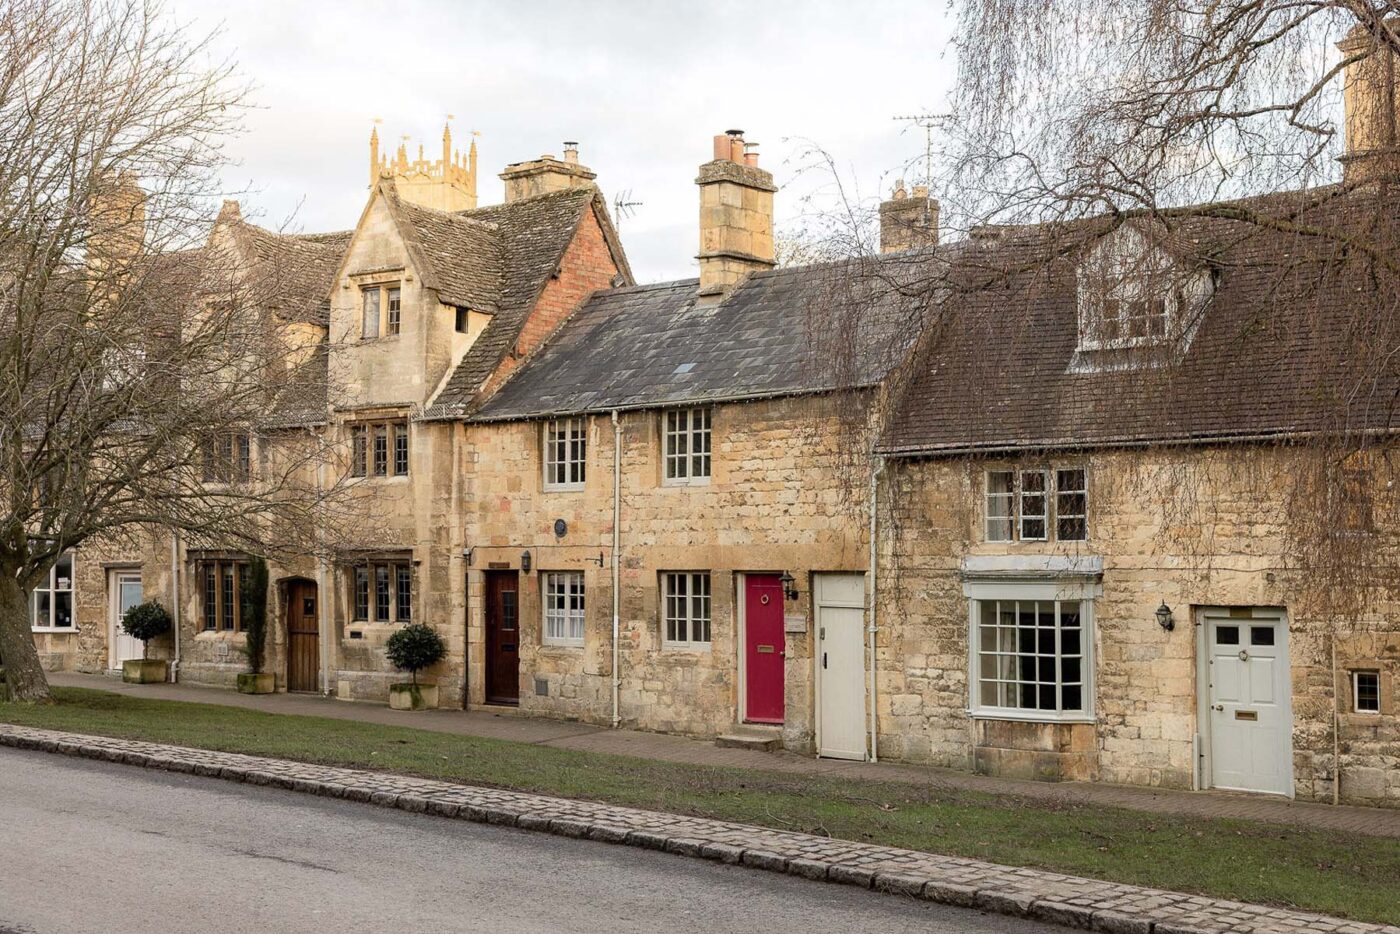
[
  {"x": 1246, "y": 715},
  {"x": 765, "y": 650}
]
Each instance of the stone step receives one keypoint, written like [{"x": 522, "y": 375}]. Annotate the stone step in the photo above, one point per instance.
[{"x": 752, "y": 740}]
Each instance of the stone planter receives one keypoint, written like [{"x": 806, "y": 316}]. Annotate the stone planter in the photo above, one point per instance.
[
  {"x": 145, "y": 671},
  {"x": 249, "y": 683},
  {"x": 413, "y": 696}
]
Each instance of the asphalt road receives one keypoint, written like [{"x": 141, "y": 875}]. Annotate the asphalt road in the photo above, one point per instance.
[{"x": 88, "y": 846}]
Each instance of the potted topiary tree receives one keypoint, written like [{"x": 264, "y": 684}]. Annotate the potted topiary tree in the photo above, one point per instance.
[
  {"x": 411, "y": 649},
  {"x": 253, "y": 610},
  {"x": 145, "y": 621}
]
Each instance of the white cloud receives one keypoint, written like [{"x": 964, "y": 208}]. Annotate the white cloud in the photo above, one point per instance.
[{"x": 642, "y": 85}]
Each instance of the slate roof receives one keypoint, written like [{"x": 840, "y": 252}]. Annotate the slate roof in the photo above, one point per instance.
[
  {"x": 779, "y": 332},
  {"x": 1298, "y": 337},
  {"x": 527, "y": 243}
]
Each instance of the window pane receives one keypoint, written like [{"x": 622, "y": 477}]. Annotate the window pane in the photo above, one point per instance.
[
  {"x": 1000, "y": 488},
  {"x": 1368, "y": 691},
  {"x": 381, "y": 450},
  {"x": 1261, "y": 635},
  {"x": 403, "y": 593},
  {"x": 226, "y": 604},
  {"x": 362, "y": 593},
  {"x": 1227, "y": 635},
  {"x": 369, "y": 324},
  {"x": 211, "y": 597},
  {"x": 381, "y": 593},
  {"x": 1028, "y": 656},
  {"x": 400, "y": 450},
  {"x": 393, "y": 310},
  {"x": 359, "y": 451},
  {"x": 1071, "y": 500},
  {"x": 1033, "y": 503}
]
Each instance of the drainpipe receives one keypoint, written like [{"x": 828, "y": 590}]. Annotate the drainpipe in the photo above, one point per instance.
[
  {"x": 872, "y": 629},
  {"x": 616, "y": 552},
  {"x": 1336, "y": 726},
  {"x": 175, "y": 601}
]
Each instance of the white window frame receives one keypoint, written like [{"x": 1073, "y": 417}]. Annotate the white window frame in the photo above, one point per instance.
[
  {"x": 1007, "y": 498},
  {"x": 690, "y": 609},
  {"x": 559, "y": 591},
  {"x": 53, "y": 590},
  {"x": 1016, "y": 498},
  {"x": 1356, "y": 692},
  {"x": 691, "y": 428},
  {"x": 1082, "y": 592},
  {"x": 568, "y": 436}
]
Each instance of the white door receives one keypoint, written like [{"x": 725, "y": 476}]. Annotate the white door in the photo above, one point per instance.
[
  {"x": 840, "y": 622},
  {"x": 1250, "y": 708},
  {"x": 124, "y": 588}
]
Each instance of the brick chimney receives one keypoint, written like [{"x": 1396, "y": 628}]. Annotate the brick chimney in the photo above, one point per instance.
[
  {"x": 736, "y": 215},
  {"x": 1372, "y": 106},
  {"x": 907, "y": 223},
  {"x": 546, "y": 174}
]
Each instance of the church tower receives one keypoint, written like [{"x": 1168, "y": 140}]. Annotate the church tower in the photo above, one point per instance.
[{"x": 448, "y": 184}]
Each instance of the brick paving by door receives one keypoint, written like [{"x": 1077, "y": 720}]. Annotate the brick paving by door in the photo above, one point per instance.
[
  {"x": 1047, "y": 896},
  {"x": 665, "y": 748}
]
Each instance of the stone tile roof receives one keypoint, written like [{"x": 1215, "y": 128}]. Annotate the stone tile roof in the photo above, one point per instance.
[
  {"x": 531, "y": 236},
  {"x": 464, "y": 254},
  {"x": 779, "y": 332},
  {"x": 1295, "y": 339},
  {"x": 292, "y": 274}
]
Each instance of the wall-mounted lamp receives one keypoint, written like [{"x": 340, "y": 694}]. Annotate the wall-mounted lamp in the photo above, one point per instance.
[
  {"x": 525, "y": 561},
  {"x": 1164, "y": 617},
  {"x": 789, "y": 586},
  {"x": 469, "y": 554}
]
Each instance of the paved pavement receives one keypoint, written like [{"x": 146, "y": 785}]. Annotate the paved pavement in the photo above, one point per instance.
[
  {"x": 1046, "y": 897},
  {"x": 661, "y": 747},
  {"x": 107, "y": 848}
]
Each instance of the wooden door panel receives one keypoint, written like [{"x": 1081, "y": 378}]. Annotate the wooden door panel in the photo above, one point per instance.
[
  {"x": 764, "y": 648},
  {"x": 502, "y": 637},
  {"x": 303, "y": 638}
]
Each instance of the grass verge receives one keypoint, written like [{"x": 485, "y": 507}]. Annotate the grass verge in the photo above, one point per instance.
[{"x": 1339, "y": 874}]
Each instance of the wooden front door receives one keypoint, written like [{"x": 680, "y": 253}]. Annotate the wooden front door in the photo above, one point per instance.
[
  {"x": 763, "y": 648},
  {"x": 502, "y": 637},
  {"x": 303, "y": 637}
]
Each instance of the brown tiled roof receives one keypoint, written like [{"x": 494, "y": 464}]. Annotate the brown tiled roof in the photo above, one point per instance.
[
  {"x": 531, "y": 236},
  {"x": 1299, "y": 336},
  {"x": 777, "y": 333}
]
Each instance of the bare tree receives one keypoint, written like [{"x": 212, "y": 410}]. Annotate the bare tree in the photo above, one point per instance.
[{"x": 141, "y": 371}]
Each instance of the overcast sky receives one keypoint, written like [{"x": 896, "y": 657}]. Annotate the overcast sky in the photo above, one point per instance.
[{"x": 643, "y": 86}]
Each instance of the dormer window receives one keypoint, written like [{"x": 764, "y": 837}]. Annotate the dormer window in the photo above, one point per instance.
[
  {"x": 1134, "y": 293},
  {"x": 381, "y": 311}
]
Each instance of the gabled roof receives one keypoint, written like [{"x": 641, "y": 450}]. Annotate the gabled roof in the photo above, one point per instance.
[
  {"x": 779, "y": 332},
  {"x": 530, "y": 237},
  {"x": 1296, "y": 338},
  {"x": 291, "y": 274}
]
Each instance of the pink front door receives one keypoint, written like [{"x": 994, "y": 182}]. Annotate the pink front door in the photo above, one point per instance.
[{"x": 763, "y": 648}]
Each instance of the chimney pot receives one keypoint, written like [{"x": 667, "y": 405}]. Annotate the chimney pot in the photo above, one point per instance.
[
  {"x": 571, "y": 151},
  {"x": 722, "y": 146},
  {"x": 750, "y": 153}
]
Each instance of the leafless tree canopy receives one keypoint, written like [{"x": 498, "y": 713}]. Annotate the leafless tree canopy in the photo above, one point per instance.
[{"x": 138, "y": 367}]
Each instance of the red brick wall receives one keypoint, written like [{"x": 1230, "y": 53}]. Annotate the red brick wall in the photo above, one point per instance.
[{"x": 587, "y": 266}]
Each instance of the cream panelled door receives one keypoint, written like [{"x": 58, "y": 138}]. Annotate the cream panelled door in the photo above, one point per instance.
[
  {"x": 1250, "y": 711},
  {"x": 840, "y": 661},
  {"x": 124, "y": 592}
]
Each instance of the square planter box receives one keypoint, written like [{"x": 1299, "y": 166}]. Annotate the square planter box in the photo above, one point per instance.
[
  {"x": 413, "y": 697},
  {"x": 264, "y": 683},
  {"x": 139, "y": 671}
]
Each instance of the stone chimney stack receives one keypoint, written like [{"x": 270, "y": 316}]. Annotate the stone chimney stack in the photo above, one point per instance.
[
  {"x": 908, "y": 223},
  {"x": 546, "y": 174},
  {"x": 736, "y": 215},
  {"x": 1372, "y": 106},
  {"x": 117, "y": 219}
]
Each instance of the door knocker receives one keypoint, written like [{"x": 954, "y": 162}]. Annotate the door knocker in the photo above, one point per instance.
[
  {"x": 1244, "y": 656},
  {"x": 763, "y": 599}
]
